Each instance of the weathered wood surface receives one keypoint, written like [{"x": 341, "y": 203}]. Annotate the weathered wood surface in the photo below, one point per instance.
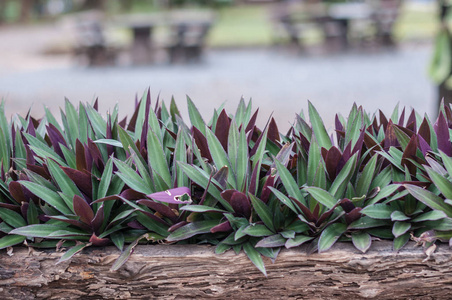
[{"x": 181, "y": 272}]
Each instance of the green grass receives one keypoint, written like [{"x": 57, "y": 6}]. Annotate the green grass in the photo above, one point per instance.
[{"x": 241, "y": 26}]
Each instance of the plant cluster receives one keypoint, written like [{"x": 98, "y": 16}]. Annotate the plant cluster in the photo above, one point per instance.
[{"x": 90, "y": 180}]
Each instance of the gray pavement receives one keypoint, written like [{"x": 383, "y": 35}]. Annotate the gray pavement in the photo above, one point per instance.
[{"x": 278, "y": 82}]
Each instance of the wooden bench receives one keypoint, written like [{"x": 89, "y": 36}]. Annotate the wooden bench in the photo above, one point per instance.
[
  {"x": 188, "y": 41},
  {"x": 92, "y": 46}
]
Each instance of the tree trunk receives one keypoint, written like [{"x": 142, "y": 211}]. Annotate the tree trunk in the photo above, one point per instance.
[
  {"x": 26, "y": 10},
  {"x": 189, "y": 271}
]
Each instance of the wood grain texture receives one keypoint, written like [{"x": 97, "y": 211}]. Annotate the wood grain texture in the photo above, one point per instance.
[{"x": 184, "y": 272}]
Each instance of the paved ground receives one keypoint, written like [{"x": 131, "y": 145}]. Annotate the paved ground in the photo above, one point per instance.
[{"x": 278, "y": 82}]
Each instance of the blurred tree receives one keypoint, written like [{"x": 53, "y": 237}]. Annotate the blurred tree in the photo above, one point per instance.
[
  {"x": 26, "y": 10},
  {"x": 94, "y": 4},
  {"x": 441, "y": 65}
]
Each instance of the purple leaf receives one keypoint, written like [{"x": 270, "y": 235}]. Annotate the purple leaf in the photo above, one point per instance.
[
  {"x": 96, "y": 104},
  {"x": 30, "y": 157},
  {"x": 96, "y": 155},
  {"x": 352, "y": 216},
  {"x": 332, "y": 159},
  {"x": 16, "y": 191},
  {"x": 273, "y": 132},
  {"x": 443, "y": 136},
  {"x": 383, "y": 120},
  {"x": 130, "y": 194},
  {"x": 306, "y": 212},
  {"x": 73, "y": 222},
  {"x": 252, "y": 121},
  {"x": 222, "y": 129},
  {"x": 162, "y": 209},
  {"x": 423, "y": 145},
  {"x": 402, "y": 118},
  {"x": 172, "y": 196},
  {"x": 201, "y": 142},
  {"x": 266, "y": 192},
  {"x": 80, "y": 160},
  {"x": 133, "y": 119},
  {"x": 222, "y": 177},
  {"x": 83, "y": 209},
  {"x": 410, "y": 153},
  {"x": 42, "y": 171},
  {"x": 424, "y": 131},
  {"x": 31, "y": 129},
  {"x": 222, "y": 227},
  {"x": 347, "y": 205},
  {"x": 136, "y": 225},
  {"x": 82, "y": 180},
  {"x": 123, "y": 122},
  {"x": 56, "y": 139},
  {"x": 390, "y": 137},
  {"x": 98, "y": 219},
  {"x": 96, "y": 241},
  {"x": 176, "y": 226},
  {"x": 12, "y": 207},
  {"x": 411, "y": 122},
  {"x": 239, "y": 202}
]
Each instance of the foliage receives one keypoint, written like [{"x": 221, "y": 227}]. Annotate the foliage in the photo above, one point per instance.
[{"x": 94, "y": 181}]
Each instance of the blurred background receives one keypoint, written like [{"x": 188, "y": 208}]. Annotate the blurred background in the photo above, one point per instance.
[{"x": 279, "y": 53}]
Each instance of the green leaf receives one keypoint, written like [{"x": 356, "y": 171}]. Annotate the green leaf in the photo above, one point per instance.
[
  {"x": 50, "y": 197},
  {"x": 297, "y": 241},
  {"x": 66, "y": 185},
  {"x": 330, "y": 235},
  {"x": 202, "y": 209},
  {"x": 255, "y": 257},
  {"x": 105, "y": 180},
  {"x": 285, "y": 200},
  {"x": 47, "y": 230},
  {"x": 367, "y": 222},
  {"x": 11, "y": 240},
  {"x": 157, "y": 158},
  {"x": 401, "y": 241},
  {"x": 257, "y": 230},
  {"x": 272, "y": 241},
  {"x": 200, "y": 177},
  {"x": 440, "y": 65},
  {"x": 322, "y": 196},
  {"x": 364, "y": 182},
  {"x": 430, "y": 216},
  {"x": 71, "y": 252},
  {"x": 12, "y": 218},
  {"x": 111, "y": 142},
  {"x": 318, "y": 128},
  {"x": 400, "y": 228},
  {"x": 399, "y": 216},
  {"x": 378, "y": 211},
  {"x": 362, "y": 241},
  {"x": 385, "y": 191},
  {"x": 122, "y": 259},
  {"x": 263, "y": 211},
  {"x": 195, "y": 117},
  {"x": 191, "y": 229},
  {"x": 220, "y": 157},
  {"x": 339, "y": 185},
  {"x": 131, "y": 178},
  {"x": 442, "y": 183},
  {"x": 289, "y": 182},
  {"x": 429, "y": 199}
]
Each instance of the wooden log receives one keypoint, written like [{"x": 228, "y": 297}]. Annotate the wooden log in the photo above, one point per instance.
[{"x": 189, "y": 271}]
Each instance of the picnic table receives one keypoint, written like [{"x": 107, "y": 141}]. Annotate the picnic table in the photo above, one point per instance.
[
  {"x": 335, "y": 20},
  {"x": 187, "y": 31}
]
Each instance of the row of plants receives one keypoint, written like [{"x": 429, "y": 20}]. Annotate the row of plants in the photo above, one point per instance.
[{"x": 90, "y": 180}]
